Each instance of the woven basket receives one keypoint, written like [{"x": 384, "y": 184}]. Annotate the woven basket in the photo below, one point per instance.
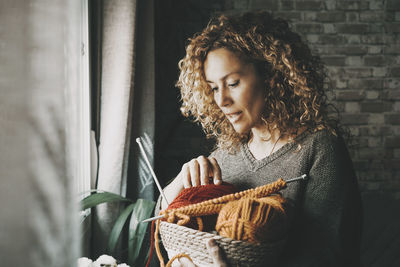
[{"x": 180, "y": 239}]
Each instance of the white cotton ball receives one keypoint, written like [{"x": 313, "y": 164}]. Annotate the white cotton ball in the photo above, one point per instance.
[
  {"x": 123, "y": 265},
  {"x": 105, "y": 261},
  {"x": 84, "y": 262}
]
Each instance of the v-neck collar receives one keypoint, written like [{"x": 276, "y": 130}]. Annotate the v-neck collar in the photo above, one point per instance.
[{"x": 255, "y": 164}]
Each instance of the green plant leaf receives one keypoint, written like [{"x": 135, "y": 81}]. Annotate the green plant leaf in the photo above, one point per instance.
[
  {"x": 98, "y": 198},
  {"x": 143, "y": 209},
  {"x": 117, "y": 228}
]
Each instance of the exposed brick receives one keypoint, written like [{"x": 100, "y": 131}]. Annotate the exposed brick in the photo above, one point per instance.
[
  {"x": 353, "y": 39},
  {"x": 352, "y": 107},
  {"x": 371, "y": 130},
  {"x": 309, "y": 5},
  {"x": 354, "y": 119},
  {"x": 375, "y": 107},
  {"x": 372, "y": 95},
  {"x": 352, "y": 28},
  {"x": 395, "y": 72},
  {"x": 379, "y": 72},
  {"x": 368, "y": 153},
  {"x": 354, "y": 61},
  {"x": 376, "y": 118},
  {"x": 377, "y": 60},
  {"x": 357, "y": 72},
  {"x": 332, "y": 16},
  {"x": 396, "y": 106},
  {"x": 392, "y": 83},
  {"x": 287, "y": 5},
  {"x": 309, "y": 28},
  {"x": 352, "y": 5},
  {"x": 375, "y": 49},
  {"x": 391, "y": 95},
  {"x": 392, "y": 27},
  {"x": 313, "y": 38},
  {"x": 376, "y": 28},
  {"x": 372, "y": 16},
  {"x": 310, "y": 16},
  {"x": 334, "y": 60},
  {"x": 350, "y": 49},
  {"x": 392, "y": 118},
  {"x": 393, "y": 164},
  {"x": 332, "y": 39},
  {"x": 393, "y": 5},
  {"x": 365, "y": 83},
  {"x": 376, "y": 4},
  {"x": 329, "y": 28},
  {"x": 352, "y": 16},
  {"x": 374, "y": 39},
  {"x": 291, "y": 16},
  {"x": 260, "y": 4},
  {"x": 350, "y": 95},
  {"x": 392, "y": 49}
]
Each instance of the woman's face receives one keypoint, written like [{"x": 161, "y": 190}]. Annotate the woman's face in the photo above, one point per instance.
[{"x": 238, "y": 89}]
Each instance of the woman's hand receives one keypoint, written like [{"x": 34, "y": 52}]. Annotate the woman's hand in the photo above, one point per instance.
[
  {"x": 198, "y": 171},
  {"x": 214, "y": 251}
]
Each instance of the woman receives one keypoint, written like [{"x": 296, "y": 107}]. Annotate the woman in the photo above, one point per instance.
[{"x": 254, "y": 86}]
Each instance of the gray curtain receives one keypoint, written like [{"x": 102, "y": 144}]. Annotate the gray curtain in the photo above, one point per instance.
[
  {"x": 39, "y": 55},
  {"x": 126, "y": 80}
]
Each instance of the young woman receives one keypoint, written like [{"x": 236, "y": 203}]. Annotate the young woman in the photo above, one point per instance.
[{"x": 256, "y": 88}]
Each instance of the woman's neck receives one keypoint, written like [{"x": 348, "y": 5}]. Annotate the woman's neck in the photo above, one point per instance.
[{"x": 262, "y": 143}]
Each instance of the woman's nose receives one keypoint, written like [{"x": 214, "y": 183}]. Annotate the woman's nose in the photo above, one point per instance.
[{"x": 222, "y": 97}]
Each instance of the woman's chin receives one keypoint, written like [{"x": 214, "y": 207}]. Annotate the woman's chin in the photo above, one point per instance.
[{"x": 239, "y": 129}]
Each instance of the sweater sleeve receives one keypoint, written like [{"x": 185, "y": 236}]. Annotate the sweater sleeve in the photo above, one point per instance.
[{"x": 326, "y": 231}]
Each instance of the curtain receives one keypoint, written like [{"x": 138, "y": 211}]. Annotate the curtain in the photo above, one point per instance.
[
  {"x": 40, "y": 52},
  {"x": 125, "y": 82}
]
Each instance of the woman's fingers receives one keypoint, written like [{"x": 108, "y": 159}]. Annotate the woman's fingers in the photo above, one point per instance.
[
  {"x": 194, "y": 172},
  {"x": 199, "y": 170},
  {"x": 216, "y": 254},
  {"x": 185, "y": 176},
  {"x": 204, "y": 169},
  {"x": 216, "y": 171}
]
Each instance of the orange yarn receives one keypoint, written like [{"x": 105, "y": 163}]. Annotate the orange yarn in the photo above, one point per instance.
[{"x": 251, "y": 219}]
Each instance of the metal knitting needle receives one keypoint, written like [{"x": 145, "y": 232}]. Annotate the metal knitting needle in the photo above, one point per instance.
[
  {"x": 153, "y": 218},
  {"x": 299, "y": 178},
  {"x": 139, "y": 141}
]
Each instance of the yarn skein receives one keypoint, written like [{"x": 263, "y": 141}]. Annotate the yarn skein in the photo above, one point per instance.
[
  {"x": 255, "y": 220},
  {"x": 197, "y": 194}
]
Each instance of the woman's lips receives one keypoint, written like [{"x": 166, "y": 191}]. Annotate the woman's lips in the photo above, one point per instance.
[{"x": 233, "y": 117}]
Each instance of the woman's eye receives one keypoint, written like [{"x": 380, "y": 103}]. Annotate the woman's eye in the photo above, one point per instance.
[{"x": 234, "y": 84}]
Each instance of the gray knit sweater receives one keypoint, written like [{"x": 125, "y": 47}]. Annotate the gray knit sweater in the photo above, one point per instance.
[{"x": 326, "y": 209}]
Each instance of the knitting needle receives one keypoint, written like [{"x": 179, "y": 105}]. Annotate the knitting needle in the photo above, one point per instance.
[
  {"x": 139, "y": 141},
  {"x": 302, "y": 177},
  {"x": 153, "y": 218}
]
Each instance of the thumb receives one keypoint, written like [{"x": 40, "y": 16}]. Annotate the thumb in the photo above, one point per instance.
[{"x": 216, "y": 253}]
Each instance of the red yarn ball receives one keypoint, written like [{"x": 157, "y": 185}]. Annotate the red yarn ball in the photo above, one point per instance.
[{"x": 197, "y": 194}]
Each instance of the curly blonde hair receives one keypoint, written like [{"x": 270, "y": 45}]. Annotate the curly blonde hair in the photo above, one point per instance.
[{"x": 294, "y": 78}]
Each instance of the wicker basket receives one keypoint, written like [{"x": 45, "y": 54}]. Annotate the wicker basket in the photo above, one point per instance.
[{"x": 177, "y": 239}]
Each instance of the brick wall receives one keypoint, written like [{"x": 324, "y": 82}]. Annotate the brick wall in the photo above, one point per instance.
[{"x": 360, "y": 42}]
